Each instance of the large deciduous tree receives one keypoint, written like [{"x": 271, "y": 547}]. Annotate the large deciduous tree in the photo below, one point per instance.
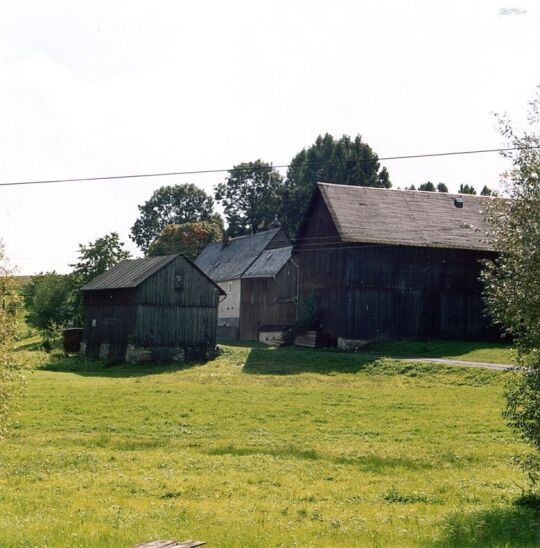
[
  {"x": 188, "y": 238},
  {"x": 251, "y": 196},
  {"x": 512, "y": 281},
  {"x": 343, "y": 161},
  {"x": 178, "y": 204}
]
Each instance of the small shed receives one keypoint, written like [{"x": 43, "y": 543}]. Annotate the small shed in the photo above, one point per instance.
[{"x": 153, "y": 309}]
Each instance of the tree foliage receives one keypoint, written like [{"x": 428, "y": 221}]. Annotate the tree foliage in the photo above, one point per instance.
[
  {"x": 98, "y": 256},
  {"x": 427, "y": 187},
  {"x": 10, "y": 377},
  {"x": 178, "y": 204},
  {"x": 466, "y": 189},
  {"x": 343, "y": 161},
  {"x": 188, "y": 238},
  {"x": 49, "y": 302},
  {"x": 486, "y": 191},
  {"x": 441, "y": 187},
  {"x": 251, "y": 196},
  {"x": 512, "y": 281}
]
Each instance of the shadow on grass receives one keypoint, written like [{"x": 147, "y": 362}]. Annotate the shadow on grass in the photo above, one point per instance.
[
  {"x": 511, "y": 526},
  {"x": 293, "y": 360},
  {"x": 89, "y": 367}
]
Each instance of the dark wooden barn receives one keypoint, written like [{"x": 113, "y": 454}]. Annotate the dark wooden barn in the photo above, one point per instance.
[
  {"x": 260, "y": 279},
  {"x": 152, "y": 309},
  {"x": 392, "y": 263}
]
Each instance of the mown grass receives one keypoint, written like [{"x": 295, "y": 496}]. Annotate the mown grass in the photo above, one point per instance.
[
  {"x": 262, "y": 447},
  {"x": 458, "y": 350}
]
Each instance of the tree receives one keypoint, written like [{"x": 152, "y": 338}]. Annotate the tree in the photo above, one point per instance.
[
  {"x": 441, "y": 187},
  {"x": 466, "y": 189},
  {"x": 97, "y": 257},
  {"x": 49, "y": 302},
  {"x": 343, "y": 161},
  {"x": 486, "y": 191},
  {"x": 512, "y": 281},
  {"x": 176, "y": 204},
  {"x": 427, "y": 187},
  {"x": 94, "y": 259},
  {"x": 10, "y": 378},
  {"x": 251, "y": 196},
  {"x": 188, "y": 238}
]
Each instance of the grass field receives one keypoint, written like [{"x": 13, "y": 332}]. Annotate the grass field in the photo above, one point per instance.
[{"x": 262, "y": 447}]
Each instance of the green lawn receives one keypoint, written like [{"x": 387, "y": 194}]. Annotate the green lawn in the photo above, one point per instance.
[
  {"x": 457, "y": 350},
  {"x": 262, "y": 447}
]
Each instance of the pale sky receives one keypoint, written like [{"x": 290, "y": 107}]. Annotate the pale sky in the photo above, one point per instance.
[{"x": 94, "y": 88}]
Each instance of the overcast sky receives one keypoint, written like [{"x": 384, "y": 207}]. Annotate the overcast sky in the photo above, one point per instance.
[{"x": 91, "y": 88}]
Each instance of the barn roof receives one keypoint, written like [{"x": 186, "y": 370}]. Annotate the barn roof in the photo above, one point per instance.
[
  {"x": 407, "y": 217},
  {"x": 230, "y": 261},
  {"x": 131, "y": 272},
  {"x": 269, "y": 263}
]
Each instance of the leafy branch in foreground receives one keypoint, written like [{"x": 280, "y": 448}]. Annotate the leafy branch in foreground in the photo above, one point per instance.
[
  {"x": 10, "y": 375},
  {"x": 512, "y": 281}
]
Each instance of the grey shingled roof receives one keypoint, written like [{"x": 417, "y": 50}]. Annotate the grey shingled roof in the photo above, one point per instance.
[
  {"x": 407, "y": 217},
  {"x": 228, "y": 262},
  {"x": 129, "y": 273},
  {"x": 269, "y": 263}
]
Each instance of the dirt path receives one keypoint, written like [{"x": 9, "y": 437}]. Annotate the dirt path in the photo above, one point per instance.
[{"x": 485, "y": 365}]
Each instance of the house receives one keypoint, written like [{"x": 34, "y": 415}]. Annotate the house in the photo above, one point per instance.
[
  {"x": 394, "y": 263},
  {"x": 259, "y": 277},
  {"x": 153, "y": 309}
]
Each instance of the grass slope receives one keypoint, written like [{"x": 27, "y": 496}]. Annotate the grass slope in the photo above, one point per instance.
[{"x": 262, "y": 447}]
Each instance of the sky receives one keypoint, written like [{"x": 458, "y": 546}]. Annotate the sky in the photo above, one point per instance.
[{"x": 98, "y": 88}]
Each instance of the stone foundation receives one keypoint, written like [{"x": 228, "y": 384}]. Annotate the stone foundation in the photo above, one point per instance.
[
  {"x": 104, "y": 350},
  {"x": 138, "y": 354}
]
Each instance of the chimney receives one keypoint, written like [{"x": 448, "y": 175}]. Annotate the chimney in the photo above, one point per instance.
[
  {"x": 275, "y": 223},
  {"x": 458, "y": 202},
  {"x": 225, "y": 238}
]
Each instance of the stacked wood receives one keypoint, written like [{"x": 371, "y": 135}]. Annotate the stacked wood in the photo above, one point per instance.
[{"x": 307, "y": 339}]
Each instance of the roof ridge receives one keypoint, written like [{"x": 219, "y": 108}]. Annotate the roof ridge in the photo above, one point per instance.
[{"x": 404, "y": 190}]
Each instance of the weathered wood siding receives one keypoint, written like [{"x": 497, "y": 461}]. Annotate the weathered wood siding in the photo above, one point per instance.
[
  {"x": 268, "y": 301},
  {"x": 169, "y": 316},
  {"x": 156, "y": 313},
  {"x": 109, "y": 317},
  {"x": 373, "y": 291}
]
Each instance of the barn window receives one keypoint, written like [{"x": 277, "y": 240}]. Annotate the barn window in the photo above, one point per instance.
[{"x": 179, "y": 281}]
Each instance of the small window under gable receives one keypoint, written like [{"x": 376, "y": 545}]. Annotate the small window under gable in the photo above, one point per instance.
[{"x": 179, "y": 281}]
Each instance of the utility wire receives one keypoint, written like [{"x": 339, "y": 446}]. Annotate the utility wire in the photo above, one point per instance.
[{"x": 270, "y": 167}]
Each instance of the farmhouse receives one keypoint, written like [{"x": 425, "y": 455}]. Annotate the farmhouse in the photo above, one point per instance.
[
  {"x": 259, "y": 277},
  {"x": 151, "y": 309},
  {"x": 394, "y": 263}
]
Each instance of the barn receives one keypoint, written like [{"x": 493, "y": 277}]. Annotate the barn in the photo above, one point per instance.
[
  {"x": 394, "y": 263},
  {"x": 259, "y": 277},
  {"x": 153, "y": 309}
]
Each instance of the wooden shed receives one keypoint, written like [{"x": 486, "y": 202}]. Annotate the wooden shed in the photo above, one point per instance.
[
  {"x": 394, "y": 263},
  {"x": 153, "y": 309}
]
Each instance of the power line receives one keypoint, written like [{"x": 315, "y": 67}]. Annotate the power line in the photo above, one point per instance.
[{"x": 314, "y": 164}]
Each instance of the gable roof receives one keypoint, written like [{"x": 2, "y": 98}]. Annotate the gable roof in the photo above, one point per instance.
[
  {"x": 269, "y": 263},
  {"x": 132, "y": 272},
  {"x": 229, "y": 262},
  {"x": 407, "y": 217}
]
